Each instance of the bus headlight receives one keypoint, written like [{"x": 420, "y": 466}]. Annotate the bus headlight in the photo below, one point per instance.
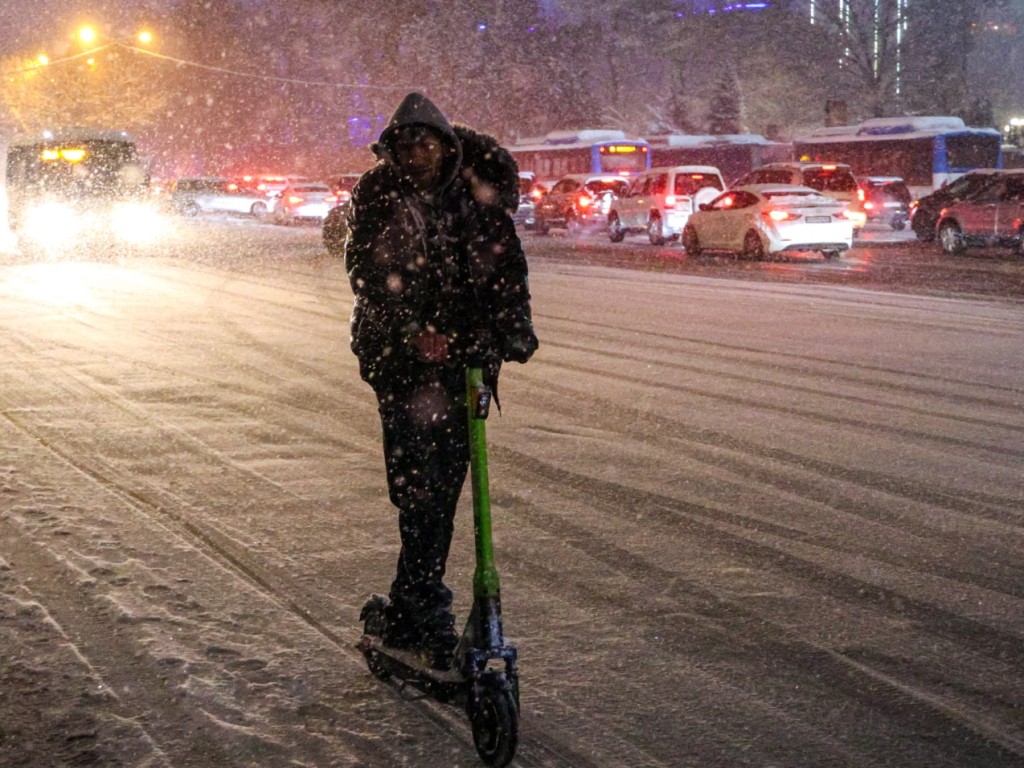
[{"x": 52, "y": 225}]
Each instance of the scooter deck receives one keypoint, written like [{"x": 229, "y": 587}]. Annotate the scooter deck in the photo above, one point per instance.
[{"x": 411, "y": 668}]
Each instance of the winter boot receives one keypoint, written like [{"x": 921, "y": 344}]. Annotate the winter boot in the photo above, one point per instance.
[
  {"x": 400, "y": 628},
  {"x": 439, "y": 639}
]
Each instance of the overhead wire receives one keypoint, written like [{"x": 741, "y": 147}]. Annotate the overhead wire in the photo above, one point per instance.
[{"x": 209, "y": 67}]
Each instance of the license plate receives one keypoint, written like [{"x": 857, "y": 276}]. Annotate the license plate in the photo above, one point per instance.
[{"x": 818, "y": 219}]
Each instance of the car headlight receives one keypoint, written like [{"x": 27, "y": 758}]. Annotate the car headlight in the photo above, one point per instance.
[{"x": 137, "y": 223}]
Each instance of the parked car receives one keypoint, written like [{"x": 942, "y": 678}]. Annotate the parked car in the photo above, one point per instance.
[
  {"x": 835, "y": 180},
  {"x": 924, "y": 213},
  {"x": 759, "y": 220},
  {"x": 885, "y": 199},
  {"x": 304, "y": 201},
  {"x": 661, "y": 200},
  {"x": 525, "y": 216},
  {"x": 192, "y": 196},
  {"x": 992, "y": 216},
  {"x": 578, "y": 201}
]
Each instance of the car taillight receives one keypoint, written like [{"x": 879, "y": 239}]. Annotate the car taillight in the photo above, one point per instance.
[
  {"x": 294, "y": 199},
  {"x": 344, "y": 196},
  {"x": 915, "y": 205},
  {"x": 860, "y": 194},
  {"x": 584, "y": 201},
  {"x": 332, "y": 199},
  {"x": 868, "y": 205},
  {"x": 776, "y": 215},
  {"x": 859, "y": 218}
]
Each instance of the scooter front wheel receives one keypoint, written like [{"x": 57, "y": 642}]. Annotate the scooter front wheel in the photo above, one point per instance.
[{"x": 494, "y": 718}]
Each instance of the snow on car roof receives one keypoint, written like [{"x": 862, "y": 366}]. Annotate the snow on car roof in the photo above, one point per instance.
[{"x": 790, "y": 194}]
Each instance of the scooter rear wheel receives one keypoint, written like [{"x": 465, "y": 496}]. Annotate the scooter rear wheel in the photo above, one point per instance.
[
  {"x": 373, "y": 618},
  {"x": 494, "y": 718}
]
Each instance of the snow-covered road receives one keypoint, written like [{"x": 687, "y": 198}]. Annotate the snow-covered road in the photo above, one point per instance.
[{"x": 737, "y": 523}]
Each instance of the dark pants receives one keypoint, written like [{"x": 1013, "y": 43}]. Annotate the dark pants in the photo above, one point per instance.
[{"x": 426, "y": 451}]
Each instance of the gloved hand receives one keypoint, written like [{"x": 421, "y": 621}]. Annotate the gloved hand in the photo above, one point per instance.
[
  {"x": 520, "y": 345},
  {"x": 431, "y": 346}
]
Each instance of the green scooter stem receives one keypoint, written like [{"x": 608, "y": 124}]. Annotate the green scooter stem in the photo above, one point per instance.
[{"x": 478, "y": 397}]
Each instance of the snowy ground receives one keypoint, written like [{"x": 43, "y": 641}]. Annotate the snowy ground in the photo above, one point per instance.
[{"x": 737, "y": 524}]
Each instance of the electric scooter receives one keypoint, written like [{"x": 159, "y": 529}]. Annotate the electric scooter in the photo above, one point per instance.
[{"x": 484, "y": 677}]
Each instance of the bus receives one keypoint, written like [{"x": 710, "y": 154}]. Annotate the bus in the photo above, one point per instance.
[
  {"x": 926, "y": 152},
  {"x": 591, "y": 151},
  {"x": 66, "y": 187},
  {"x": 734, "y": 155}
]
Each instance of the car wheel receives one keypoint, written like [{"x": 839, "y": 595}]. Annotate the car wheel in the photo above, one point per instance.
[
  {"x": 655, "y": 231},
  {"x": 690, "y": 241},
  {"x": 753, "y": 248},
  {"x": 899, "y": 223},
  {"x": 259, "y": 209},
  {"x": 190, "y": 209},
  {"x": 541, "y": 227},
  {"x": 616, "y": 232},
  {"x": 949, "y": 238}
]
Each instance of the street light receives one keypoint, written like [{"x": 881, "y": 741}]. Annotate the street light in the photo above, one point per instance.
[
  {"x": 145, "y": 37},
  {"x": 87, "y": 35}
]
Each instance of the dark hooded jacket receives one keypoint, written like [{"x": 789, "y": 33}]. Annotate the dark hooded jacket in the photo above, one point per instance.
[{"x": 449, "y": 260}]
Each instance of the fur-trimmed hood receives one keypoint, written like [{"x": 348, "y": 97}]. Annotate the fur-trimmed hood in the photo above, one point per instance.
[{"x": 487, "y": 169}]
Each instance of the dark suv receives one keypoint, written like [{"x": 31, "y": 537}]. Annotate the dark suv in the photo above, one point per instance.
[
  {"x": 885, "y": 199},
  {"x": 578, "y": 201}
]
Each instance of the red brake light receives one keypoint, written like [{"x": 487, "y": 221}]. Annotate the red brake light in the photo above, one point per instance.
[
  {"x": 860, "y": 194},
  {"x": 868, "y": 205},
  {"x": 670, "y": 201},
  {"x": 776, "y": 215},
  {"x": 332, "y": 199},
  {"x": 828, "y": 167},
  {"x": 583, "y": 200},
  {"x": 294, "y": 199}
]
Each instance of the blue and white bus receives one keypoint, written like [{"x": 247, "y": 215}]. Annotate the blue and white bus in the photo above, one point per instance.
[
  {"x": 926, "y": 152},
  {"x": 591, "y": 151}
]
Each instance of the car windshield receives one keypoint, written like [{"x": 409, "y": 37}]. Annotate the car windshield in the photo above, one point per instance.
[
  {"x": 830, "y": 180},
  {"x": 690, "y": 183},
  {"x": 611, "y": 185}
]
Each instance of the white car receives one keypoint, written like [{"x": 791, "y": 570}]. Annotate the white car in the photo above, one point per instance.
[
  {"x": 217, "y": 195},
  {"x": 660, "y": 201},
  {"x": 764, "y": 219},
  {"x": 308, "y": 201}
]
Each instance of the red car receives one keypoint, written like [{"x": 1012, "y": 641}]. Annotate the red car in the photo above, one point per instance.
[{"x": 994, "y": 216}]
